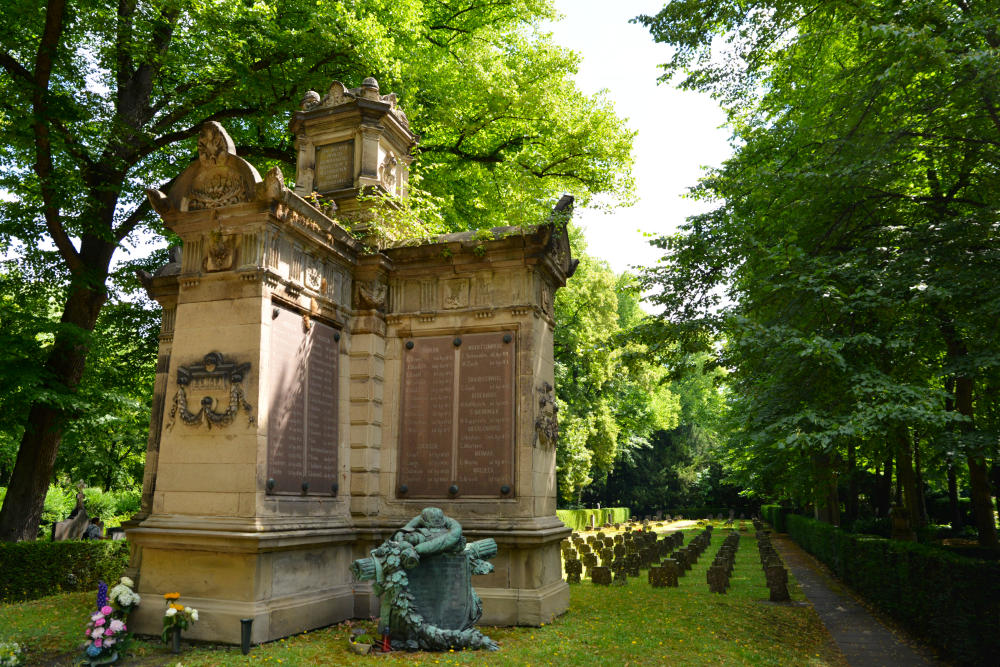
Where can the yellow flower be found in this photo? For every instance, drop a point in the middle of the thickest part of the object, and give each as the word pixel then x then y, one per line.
pixel 171 596
pixel 178 607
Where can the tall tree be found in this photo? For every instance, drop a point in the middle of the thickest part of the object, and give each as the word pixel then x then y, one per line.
pixel 856 221
pixel 99 100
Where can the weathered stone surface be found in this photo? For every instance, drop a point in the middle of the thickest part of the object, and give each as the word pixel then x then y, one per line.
pixel 601 575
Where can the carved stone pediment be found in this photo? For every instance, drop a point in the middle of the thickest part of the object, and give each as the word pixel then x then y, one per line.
pixel 217 178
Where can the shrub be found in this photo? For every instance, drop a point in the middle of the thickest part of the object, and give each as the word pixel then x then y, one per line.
pixel 35 569
pixel 776 516
pixel 580 519
pixel 952 601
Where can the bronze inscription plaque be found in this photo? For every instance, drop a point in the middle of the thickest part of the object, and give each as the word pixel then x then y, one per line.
pixel 322 353
pixel 485 414
pixel 334 166
pixel 285 424
pixel 464 437
pixel 302 433
pixel 426 432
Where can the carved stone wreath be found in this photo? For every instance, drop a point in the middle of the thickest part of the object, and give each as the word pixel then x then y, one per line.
pixel 213 369
pixel 547 422
pixel 399 617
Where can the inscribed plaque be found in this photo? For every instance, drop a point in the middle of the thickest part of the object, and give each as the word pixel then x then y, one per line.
pixel 426 418
pixel 302 423
pixel 322 353
pixel 286 426
pixel 334 166
pixel 485 414
pixel 463 437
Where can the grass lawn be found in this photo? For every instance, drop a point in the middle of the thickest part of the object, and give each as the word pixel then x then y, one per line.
pixel 617 625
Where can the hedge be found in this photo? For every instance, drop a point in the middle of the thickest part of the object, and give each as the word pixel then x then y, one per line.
pixel 776 515
pixel 580 519
pixel 951 601
pixel 36 569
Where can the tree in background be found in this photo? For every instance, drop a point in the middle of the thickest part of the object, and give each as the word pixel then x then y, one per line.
pixel 101 100
pixel 855 224
pixel 610 393
pixel 684 465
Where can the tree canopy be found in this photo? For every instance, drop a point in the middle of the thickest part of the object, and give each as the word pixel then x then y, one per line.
pixel 101 100
pixel 844 261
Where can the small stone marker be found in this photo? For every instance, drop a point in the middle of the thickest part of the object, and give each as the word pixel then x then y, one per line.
pixel 573 570
pixel 777 582
pixel 601 575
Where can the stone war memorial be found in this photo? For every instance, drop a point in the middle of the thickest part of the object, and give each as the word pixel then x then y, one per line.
pixel 313 395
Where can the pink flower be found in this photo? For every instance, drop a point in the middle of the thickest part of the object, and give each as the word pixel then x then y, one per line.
pixel 116 625
pixel 98 642
pixel 99 622
pixel 106 610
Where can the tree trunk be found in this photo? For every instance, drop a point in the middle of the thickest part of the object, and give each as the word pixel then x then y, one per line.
pixel 921 495
pixel 955 512
pixel 36 457
pixel 979 482
pixel 957 520
pixel 827 501
pixel 851 504
pixel 897 496
pixel 906 481
pixel 884 488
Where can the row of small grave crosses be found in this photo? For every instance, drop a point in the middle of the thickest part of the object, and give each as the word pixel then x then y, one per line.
pixel 774 569
pixel 625 554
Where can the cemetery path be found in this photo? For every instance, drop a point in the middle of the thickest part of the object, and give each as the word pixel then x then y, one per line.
pixel 863 638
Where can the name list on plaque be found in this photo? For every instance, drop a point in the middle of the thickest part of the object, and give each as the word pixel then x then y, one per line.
pixel 334 166
pixel 427 432
pixel 302 434
pixel 457 417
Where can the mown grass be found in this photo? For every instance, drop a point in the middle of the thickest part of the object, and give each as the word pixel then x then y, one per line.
pixel 618 625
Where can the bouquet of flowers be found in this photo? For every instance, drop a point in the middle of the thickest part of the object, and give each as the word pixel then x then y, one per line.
pixel 11 654
pixel 177 616
pixel 106 632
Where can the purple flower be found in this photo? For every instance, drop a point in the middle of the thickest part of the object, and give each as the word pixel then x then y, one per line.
pixel 102 594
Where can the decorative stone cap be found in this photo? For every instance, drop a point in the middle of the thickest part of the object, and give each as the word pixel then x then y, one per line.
pixel 339 95
pixel 350 142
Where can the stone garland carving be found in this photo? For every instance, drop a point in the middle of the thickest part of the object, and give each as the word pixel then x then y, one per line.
pixel 214 368
pixel 547 422
pixel 387 171
pixel 370 295
pixel 429 534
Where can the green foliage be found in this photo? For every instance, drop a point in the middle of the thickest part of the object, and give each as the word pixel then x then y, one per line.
pixel 580 519
pixel 843 263
pixel 951 601
pixel 36 569
pixel 683 466
pixel 776 515
pixel 610 394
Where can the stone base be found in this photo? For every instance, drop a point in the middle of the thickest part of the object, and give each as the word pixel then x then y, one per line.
pixel 219 620
pixel 513 606
pixel 287 581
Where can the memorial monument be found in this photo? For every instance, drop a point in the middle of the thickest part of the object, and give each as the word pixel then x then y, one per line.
pixel 314 393
pixel 423 577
